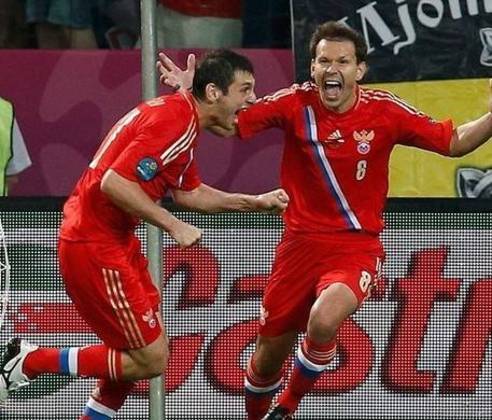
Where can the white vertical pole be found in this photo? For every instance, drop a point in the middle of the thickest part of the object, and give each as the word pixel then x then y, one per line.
pixel 154 236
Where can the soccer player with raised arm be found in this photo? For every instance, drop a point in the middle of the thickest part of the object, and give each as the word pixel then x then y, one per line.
pixel 149 151
pixel 338 141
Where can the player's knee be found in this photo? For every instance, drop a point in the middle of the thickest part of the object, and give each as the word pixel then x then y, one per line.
pixel 333 306
pixel 154 363
pixel 321 327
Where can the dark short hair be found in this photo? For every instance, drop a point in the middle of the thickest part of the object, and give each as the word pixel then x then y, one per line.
pixel 337 31
pixel 219 67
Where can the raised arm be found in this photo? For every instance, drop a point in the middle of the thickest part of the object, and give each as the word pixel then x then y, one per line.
pixel 128 196
pixel 173 76
pixel 210 200
pixel 467 137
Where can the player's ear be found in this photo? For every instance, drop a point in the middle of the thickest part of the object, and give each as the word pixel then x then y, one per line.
pixel 212 92
pixel 312 68
pixel 361 71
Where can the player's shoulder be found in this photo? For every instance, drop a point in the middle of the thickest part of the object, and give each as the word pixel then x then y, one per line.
pixel 176 110
pixel 166 104
pixel 384 99
pixel 293 93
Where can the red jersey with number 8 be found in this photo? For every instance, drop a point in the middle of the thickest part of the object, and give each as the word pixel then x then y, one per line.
pixel 335 165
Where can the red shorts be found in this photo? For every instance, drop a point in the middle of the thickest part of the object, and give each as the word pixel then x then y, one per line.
pixel 305 265
pixel 112 290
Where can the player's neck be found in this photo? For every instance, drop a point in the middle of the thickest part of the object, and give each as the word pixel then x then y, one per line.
pixel 206 114
pixel 200 112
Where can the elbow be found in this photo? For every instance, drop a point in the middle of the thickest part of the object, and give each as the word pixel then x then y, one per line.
pixel 178 201
pixel 456 153
pixel 181 199
pixel 194 200
pixel 456 148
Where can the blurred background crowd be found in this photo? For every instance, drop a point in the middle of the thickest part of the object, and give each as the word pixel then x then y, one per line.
pixel 115 24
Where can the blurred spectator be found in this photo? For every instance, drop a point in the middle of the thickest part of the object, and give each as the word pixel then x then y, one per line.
pixel 266 24
pixel 63 23
pixel 14 32
pixel 13 153
pixel 123 30
pixel 199 23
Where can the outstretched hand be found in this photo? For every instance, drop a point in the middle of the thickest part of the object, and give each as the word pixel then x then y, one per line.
pixel 172 75
pixel 275 201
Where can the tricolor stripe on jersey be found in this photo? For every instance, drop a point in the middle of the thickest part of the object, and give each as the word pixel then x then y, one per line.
pixel 328 174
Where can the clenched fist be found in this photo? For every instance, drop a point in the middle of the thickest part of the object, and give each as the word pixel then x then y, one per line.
pixel 184 234
pixel 275 201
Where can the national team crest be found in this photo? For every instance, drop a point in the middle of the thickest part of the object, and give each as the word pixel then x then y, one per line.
pixel 364 138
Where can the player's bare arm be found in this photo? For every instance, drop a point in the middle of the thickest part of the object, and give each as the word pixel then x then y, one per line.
pixel 131 198
pixel 275 201
pixel 210 200
pixel 469 136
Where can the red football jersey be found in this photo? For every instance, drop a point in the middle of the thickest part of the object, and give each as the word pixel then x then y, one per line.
pixel 152 145
pixel 335 165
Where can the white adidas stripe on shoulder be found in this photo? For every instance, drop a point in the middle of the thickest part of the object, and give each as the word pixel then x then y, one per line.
pixel 181 144
pixel 383 95
pixel 181 176
pixel 306 86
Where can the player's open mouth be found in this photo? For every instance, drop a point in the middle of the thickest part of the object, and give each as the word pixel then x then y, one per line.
pixel 332 88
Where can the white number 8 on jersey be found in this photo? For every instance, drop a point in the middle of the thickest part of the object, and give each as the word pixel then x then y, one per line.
pixel 365 281
pixel 361 170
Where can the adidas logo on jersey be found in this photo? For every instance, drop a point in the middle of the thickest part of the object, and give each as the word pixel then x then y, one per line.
pixel 334 140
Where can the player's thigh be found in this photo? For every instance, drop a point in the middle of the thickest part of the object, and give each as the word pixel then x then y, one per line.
pixel 116 298
pixel 359 272
pixel 290 291
pixel 333 306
